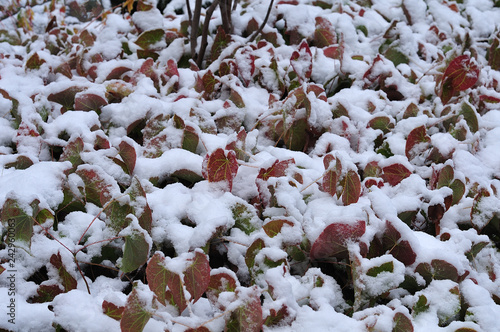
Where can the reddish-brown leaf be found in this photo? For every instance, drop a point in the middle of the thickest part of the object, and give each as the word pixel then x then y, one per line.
pixel 220 282
pixel 415 137
pixel 219 166
pixel 112 310
pixel 117 72
pixel 351 187
pixel 197 276
pixel 462 73
pixel 324 35
pixel 89 102
pixel 329 183
pixel 252 251
pixel 301 61
pixel 135 315
pixel 68 281
pixel 45 293
pixel 129 156
pixel 276 170
pixel 157 275
pixel 66 97
pixel 395 173
pixel 399 248
pixel 273 227
pixel 332 242
pixel 247 317
pixel 446 175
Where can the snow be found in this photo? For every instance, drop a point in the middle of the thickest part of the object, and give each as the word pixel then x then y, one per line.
pixel 190 214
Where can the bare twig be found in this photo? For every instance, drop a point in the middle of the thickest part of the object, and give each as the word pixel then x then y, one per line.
pixel 263 23
pixel 194 28
pixel 190 14
pixel 204 35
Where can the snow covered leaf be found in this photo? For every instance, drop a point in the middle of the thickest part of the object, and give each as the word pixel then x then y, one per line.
pixel 277 169
pixel 398 247
pixel 351 187
pixel 248 316
pixel 13 216
pixel 34 62
pixel 197 276
pixel 97 189
pixel 411 111
pixel 149 38
pixel 301 61
pixel 333 241
pixel 89 102
pixel 372 170
pixel 278 318
pixel 66 97
pixel 382 122
pixel 273 227
pixel 117 73
pixel 462 72
pixel 395 173
pixel 221 41
pixel 135 316
pixel 296 137
pixel 135 253
pixel 401 323
pixel 494 53
pixel 138 197
pixel 71 152
pixel 470 116
pixel 417 142
pixel 252 251
pixel 220 282
pixel 46 293
pixel 68 281
pixel 238 145
pixel 438 269
pixel 219 166
pixel 129 156
pixel 175 294
pixel 112 310
pixel 157 276
pixel 324 35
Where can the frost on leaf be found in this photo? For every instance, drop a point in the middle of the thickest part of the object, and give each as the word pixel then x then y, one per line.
pixel 401 323
pixel 98 190
pixel 89 102
pixel 333 241
pixel 417 142
pixel 220 166
pixel 135 316
pixel 220 282
pixel 277 169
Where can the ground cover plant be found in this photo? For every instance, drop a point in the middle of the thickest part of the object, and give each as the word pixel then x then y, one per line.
pixel 250 165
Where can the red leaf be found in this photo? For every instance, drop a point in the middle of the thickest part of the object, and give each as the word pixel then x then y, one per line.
pixel 129 156
pixel 273 227
pixel 351 188
pixel 97 189
pixel 301 61
pixel 197 276
pixel 395 173
pixel 401 323
pixel 66 97
pixel 157 275
pixel 324 35
pixel 46 293
pixel 219 167
pixel 329 184
pixel 332 242
pixel 89 102
pixel 171 68
pixel 400 249
pixel 252 251
pixel 462 72
pixel 68 281
pixel 220 282
pixel 416 137
pixel 176 290
pixel 112 310
pixel 135 315
pixel 276 170
pixel 247 317
pixel 117 73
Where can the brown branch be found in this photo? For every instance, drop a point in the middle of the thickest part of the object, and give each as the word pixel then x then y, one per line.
pixel 263 23
pixel 204 35
pixel 194 28
pixel 190 14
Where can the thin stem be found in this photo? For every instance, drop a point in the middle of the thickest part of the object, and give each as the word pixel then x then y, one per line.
pixel 194 28
pixel 310 184
pixel 263 23
pixel 105 240
pixel 190 14
pixel 81 273
pixel 204 35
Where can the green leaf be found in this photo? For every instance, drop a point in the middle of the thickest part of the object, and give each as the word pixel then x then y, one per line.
pixel 66 97
pixel 385 267
pixel 135 253
pixel 446 175
pixel 221 41
pixel 383 123
pixel 421 305
pixel 247 317
pixel 396 56
pixel 18 222
pixel 458 188
pixel 470 116
pixel 135 316
pixel 34 62
pixel 243 216
pixel 296 137
pixel 273 227
pixel 149 38
pixel 252 251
